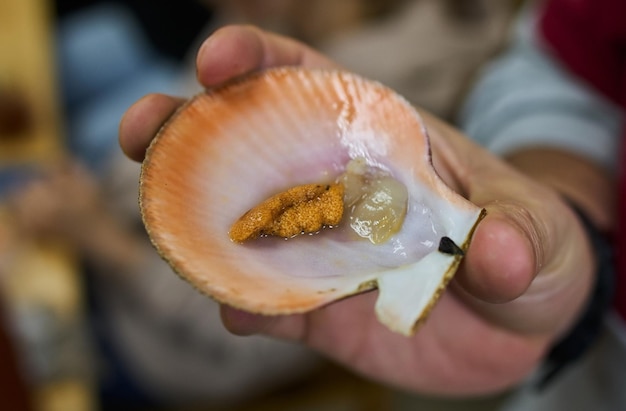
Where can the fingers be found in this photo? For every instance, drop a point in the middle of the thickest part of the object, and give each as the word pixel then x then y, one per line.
pixel 242 322
pixel 236 50
pixel 142 121
pixel 323 329
pixel 289 327
pixel 230 52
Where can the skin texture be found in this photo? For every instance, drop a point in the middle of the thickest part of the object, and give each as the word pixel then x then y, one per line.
pixel 522 284
pixel 61 203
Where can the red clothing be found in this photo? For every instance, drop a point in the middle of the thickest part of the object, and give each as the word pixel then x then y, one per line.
pixel 589 38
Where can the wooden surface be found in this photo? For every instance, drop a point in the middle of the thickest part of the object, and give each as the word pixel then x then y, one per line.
pixel 36 276
pixel 27 69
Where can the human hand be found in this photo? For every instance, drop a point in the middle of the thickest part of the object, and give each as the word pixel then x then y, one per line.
pixel 61 203
pixel 523 281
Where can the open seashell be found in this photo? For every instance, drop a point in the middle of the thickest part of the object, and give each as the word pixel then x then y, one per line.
pixel 229 149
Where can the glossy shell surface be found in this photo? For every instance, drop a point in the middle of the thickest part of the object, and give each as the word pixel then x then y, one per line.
pixel 228 149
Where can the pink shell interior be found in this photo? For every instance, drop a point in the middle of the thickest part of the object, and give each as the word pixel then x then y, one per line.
pixel 231 148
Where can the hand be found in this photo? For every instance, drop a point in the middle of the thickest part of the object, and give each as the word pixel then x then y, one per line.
pixel 522 283
pixel 59 204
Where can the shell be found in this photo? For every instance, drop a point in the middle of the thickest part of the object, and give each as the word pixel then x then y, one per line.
pixel 230 148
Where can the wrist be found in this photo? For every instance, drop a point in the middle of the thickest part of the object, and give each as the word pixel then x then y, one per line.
pixel 581 336
pixel 587 186
pixel 589 191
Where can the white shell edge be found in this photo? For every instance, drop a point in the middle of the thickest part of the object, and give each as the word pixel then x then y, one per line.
pixel 408 293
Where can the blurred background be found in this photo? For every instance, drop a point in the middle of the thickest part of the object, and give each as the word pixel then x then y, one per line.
pixel 90 317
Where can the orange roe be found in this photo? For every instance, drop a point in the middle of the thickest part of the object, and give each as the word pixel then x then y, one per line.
pixel 299 210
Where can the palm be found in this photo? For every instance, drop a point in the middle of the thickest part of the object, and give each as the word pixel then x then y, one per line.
pixel 456 351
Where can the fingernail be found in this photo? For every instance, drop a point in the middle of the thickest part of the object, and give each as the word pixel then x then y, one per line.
pixel 242 322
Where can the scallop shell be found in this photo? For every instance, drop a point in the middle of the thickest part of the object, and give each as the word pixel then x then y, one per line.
pixel 228 149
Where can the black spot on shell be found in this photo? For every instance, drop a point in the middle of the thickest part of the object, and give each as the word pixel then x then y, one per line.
pixel 447 246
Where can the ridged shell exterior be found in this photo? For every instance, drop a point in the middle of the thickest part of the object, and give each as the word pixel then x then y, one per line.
pixel 228 149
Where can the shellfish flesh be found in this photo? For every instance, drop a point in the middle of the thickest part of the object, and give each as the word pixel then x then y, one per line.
pixel 230 149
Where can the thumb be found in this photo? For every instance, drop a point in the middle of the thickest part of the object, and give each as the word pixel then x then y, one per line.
pixel 529 251
pixel 505 251
pixel 516 239
pixel 502 260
